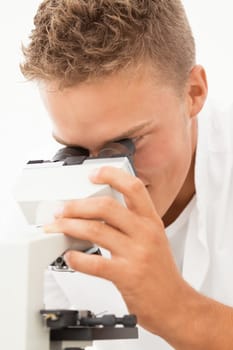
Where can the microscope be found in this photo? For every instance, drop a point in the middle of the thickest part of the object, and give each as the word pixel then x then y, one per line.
pixel 40 190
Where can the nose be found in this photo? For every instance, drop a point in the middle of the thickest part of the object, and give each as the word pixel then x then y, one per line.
pixel 93 154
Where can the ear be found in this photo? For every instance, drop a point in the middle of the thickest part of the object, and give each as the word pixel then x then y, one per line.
pixel 197 90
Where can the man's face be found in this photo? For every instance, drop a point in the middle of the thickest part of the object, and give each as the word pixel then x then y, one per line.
pixel 155 117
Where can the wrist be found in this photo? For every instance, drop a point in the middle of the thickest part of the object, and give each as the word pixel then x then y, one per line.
pixel 187 325
pixel 199 323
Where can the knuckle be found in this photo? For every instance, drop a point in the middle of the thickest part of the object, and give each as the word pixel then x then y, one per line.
pixel 104 172
pixel 60 224
pixel 96 268
pixel 135 185
pixel 93 227
pixel 106 203
pixel 153 233
pixel 70 206
pixel 144 258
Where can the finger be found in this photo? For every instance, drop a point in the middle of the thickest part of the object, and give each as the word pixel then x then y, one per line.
pixel 94 231
pixel 94 265
pixel 133 189
pixel 103 208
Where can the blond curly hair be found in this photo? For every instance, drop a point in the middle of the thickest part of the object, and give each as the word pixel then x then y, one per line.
pixel 75 41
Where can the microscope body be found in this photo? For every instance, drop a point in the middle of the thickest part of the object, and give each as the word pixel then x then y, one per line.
pixel 41 189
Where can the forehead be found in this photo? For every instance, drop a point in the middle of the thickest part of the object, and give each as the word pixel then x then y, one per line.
pixel 89 114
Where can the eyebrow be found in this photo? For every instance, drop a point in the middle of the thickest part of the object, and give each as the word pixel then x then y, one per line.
pixel 122 136
pixel 130 132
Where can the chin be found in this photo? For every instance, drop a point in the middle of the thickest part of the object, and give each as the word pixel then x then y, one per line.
pixel 161 208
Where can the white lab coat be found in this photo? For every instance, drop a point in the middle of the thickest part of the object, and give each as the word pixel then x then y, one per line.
pixel 208 249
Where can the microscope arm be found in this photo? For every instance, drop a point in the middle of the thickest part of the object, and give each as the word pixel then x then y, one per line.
pixel 23 260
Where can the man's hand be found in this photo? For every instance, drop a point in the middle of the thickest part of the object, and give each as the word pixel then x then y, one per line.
pixel 141 264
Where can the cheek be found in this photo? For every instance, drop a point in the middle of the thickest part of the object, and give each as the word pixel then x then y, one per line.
pixel 149 159
pixel 163 156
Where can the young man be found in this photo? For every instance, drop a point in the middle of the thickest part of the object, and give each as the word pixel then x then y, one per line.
pixel 110 70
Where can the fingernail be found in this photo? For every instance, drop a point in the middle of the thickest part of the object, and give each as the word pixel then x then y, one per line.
pixel 94 173
pixel 49 228
pixel 66 257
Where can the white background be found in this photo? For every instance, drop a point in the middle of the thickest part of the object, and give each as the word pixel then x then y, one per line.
pixel 24 124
